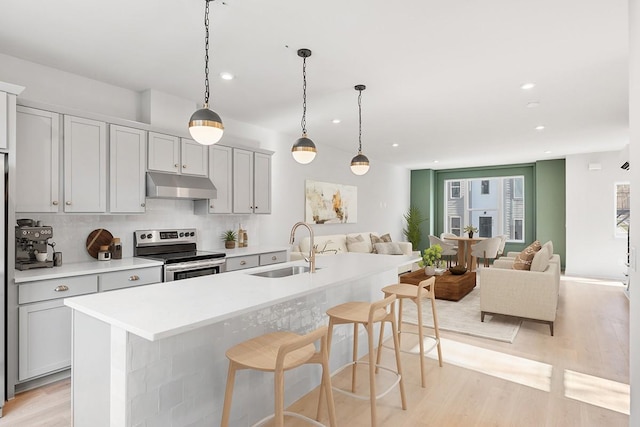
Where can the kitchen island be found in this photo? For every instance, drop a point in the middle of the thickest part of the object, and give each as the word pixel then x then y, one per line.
pixel 156 354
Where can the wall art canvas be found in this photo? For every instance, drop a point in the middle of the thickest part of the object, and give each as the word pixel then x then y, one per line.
pixel 328 203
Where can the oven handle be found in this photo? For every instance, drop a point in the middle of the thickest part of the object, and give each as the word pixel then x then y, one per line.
pixel 192 265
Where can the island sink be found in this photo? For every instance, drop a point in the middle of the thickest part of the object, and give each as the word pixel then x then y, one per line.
pixel 283 272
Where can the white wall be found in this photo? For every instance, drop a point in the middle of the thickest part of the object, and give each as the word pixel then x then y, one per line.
pixel 383 194
pixel 592 248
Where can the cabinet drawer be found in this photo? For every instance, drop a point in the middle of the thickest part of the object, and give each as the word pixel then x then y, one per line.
pixel 57 288
pixel 240 262
pixel 129 278
pixel 273 258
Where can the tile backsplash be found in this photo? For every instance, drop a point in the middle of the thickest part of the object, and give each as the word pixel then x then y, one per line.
pixel 70 231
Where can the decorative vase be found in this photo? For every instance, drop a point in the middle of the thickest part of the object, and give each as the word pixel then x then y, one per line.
pixel 430 270
pixel 230 244
pixel 471 234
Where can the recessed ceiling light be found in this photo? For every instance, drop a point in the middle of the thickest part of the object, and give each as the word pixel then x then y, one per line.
pixel 527 86
pixel 533 104
pixel 539 127
pixel 395 144
pixel 226 76
pixel 436 161
pixel 548 152
pixel 336 121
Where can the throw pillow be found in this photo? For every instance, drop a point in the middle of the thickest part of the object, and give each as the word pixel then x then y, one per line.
pixel 388 248
pixel 549 246
pixel 357 244
pixel 540 261
pixel 385 238
pixel 524 258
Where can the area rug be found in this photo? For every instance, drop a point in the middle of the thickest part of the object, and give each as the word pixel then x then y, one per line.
pixel 463 317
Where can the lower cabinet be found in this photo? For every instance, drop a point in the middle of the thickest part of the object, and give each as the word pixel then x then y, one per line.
pixel 44 322
pixel 249 261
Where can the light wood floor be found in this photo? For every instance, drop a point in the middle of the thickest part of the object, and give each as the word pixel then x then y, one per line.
pixel 588 358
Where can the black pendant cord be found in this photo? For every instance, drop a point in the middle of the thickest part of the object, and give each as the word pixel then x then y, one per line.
pixel 360 121
pixel 206 54
pixel 303 122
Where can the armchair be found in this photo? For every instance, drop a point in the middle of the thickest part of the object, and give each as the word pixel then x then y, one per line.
pixel 531 295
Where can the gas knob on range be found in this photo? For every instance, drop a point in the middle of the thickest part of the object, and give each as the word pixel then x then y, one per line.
pixel 149 236
pixel 181 234
pixel 143 236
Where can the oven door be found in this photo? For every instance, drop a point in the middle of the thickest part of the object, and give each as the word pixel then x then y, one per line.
pixel 189 269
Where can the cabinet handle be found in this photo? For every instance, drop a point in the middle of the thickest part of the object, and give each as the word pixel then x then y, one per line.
pixel 54 203
pixel 61 288
pixel 134 278
pixel 175 165
pixel 68 203
pixel 142 204
pixel 273 258
pixel 211 206
pixel 184 166
pixel 243 262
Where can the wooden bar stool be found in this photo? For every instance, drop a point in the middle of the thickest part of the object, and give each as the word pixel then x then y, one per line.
pixel 367 314
pixel 416 294
pixel 279 352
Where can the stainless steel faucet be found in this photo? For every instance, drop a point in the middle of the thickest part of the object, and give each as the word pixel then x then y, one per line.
pixel 312 254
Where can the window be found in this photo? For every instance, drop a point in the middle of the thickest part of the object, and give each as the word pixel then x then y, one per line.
pixel 622 209
pixel 495 205
pixel 484 186
pixel 454 190
pixel 455 225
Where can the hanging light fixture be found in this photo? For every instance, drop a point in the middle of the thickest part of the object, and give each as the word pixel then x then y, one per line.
pixel 304 150
pixel 205 125
pixel 360 163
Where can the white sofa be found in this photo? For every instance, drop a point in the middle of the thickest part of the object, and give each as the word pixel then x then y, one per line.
pixel 527 294
pixel 333 244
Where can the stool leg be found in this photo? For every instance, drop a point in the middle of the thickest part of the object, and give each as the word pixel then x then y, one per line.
pixel 436 329
pixel 322 383
pixel 228 394
pixel 355 357
pixel 421 337
pixel 400 320
pixel 326 384
pixel 372 374
pixel 379 352
pixel 278 401
pixel 396 344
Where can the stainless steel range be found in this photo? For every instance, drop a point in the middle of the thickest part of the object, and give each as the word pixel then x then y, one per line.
pixel 177 249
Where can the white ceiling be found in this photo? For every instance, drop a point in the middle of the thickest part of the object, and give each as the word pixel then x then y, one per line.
pixel 443 77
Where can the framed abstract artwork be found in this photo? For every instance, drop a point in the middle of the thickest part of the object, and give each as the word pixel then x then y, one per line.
pixel 327 203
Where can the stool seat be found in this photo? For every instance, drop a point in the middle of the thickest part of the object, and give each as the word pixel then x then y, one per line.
pixel 261 353
pixel 402 290
pixel 355 312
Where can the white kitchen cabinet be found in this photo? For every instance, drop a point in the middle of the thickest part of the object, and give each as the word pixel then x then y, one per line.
pixel 127 151
pixel 85 165
pixel 37 160
pixel 4 120
pixel 220 168
pixel 251 182
pixel 255 260
pixel 171 154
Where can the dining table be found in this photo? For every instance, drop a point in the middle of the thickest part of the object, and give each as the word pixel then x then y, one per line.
pixel 464 250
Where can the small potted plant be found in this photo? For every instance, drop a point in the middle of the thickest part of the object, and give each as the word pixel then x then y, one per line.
pixel 470 229
pixel 229 238
pixel 430 259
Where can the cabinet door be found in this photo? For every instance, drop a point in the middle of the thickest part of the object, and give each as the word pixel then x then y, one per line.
pixel 4 120
pixel 127 148
pixel 242 181
pixel 85 165
pixel 220 167
pixel 44 338
pixel 164 153
pixel 37 160
pixel 262 183
pixel 195 158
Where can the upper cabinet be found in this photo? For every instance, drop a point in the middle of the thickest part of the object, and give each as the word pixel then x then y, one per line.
pixel 38 160
pixel 171 154
pixel 85 165
pixel 220 168
pixel 251 182
pixel 127 154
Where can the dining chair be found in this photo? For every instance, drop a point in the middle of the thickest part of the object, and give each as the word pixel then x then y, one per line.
pixel 449 250
pixel 486 249
pixel 503 241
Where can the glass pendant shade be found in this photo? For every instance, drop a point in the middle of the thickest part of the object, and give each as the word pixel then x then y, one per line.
pixel 360 164
pixel 304 150
pixel 205 126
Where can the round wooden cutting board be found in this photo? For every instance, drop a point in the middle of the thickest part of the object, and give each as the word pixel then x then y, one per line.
pixel 98 237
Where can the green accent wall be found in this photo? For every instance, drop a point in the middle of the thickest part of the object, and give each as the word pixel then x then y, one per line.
pixel 544 194
pixel 551 209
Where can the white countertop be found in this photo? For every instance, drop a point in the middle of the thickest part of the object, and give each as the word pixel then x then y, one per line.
pixel 166 309
pixel 82 268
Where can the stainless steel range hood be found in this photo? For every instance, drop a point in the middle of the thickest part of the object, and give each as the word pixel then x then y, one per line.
pixel 169 186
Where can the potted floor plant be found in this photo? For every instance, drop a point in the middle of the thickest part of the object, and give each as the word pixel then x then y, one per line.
pixel 430 259
pixel 414 218
pixel 229 238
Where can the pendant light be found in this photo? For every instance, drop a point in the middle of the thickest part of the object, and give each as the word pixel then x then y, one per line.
pixel 304 150
pixel 205 125
pixel 360 163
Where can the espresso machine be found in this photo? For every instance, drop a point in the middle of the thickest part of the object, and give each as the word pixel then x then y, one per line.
pixel 32 242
